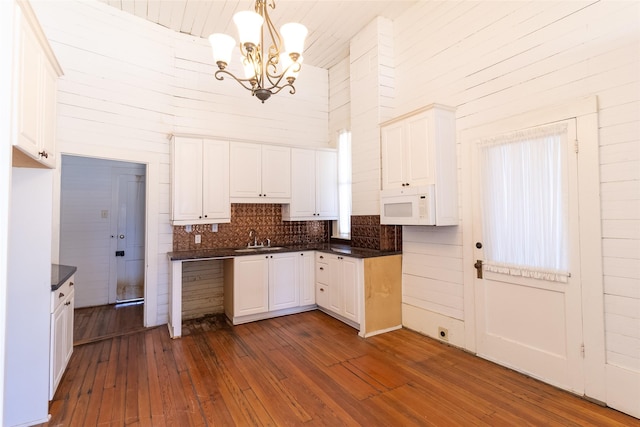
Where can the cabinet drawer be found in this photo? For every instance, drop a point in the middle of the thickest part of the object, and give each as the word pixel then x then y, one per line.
pixel 60 295
pixel 322 273
pixel 322 295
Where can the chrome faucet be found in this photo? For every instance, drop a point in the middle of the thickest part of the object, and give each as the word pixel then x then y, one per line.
pixel 254 235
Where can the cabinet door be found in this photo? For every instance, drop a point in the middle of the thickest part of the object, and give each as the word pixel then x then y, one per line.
pixel 326 184
pixel 57 362
pixel 418 170
pixel 251 285
pixel 303 184
pixel 47 143
pixel 350 285
pixel 246 170
pixel 305 274
pixel 215 179
pixel 276 172
pixel 28 82
pixel 283 285
pixel 68 327
pixel 336 299
pixel 186 175
pixel 392 152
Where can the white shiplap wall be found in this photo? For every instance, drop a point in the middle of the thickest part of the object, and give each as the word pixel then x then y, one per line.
pixel 493 60
pixel 371 87
pixel 129 83
pixel 339 100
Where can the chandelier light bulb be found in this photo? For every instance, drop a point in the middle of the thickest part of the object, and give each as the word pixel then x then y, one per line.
pixel 249 27
pixel 293 36
pixel 222 46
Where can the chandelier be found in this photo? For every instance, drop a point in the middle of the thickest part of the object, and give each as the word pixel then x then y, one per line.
pixel 266 72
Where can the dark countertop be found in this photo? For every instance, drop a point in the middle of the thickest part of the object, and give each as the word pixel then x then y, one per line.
pixel 60 274
pixel 337 249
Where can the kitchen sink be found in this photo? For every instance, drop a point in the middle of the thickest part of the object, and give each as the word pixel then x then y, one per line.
pixel 260 249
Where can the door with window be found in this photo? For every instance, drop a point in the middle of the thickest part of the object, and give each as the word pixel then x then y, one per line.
pixel 527 286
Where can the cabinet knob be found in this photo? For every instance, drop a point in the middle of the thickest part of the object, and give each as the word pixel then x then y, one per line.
pixel 61 295
pixel 200 217
pixel 321 289
pixel 205 216
pixel 43 154
pixel 70 283
pixel 321 268
pixel 321 257
pixel 67 303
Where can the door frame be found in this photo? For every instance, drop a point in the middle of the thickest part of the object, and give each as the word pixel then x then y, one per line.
pixel 585 111
pixel 116 174
pixel 152 161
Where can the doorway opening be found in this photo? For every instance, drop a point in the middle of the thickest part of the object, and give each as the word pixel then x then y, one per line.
pixel 102 232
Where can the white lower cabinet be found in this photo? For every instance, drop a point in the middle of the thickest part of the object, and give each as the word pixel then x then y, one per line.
pixel 305 275
pixel 338 283
pixel 268 285
pixel 62 304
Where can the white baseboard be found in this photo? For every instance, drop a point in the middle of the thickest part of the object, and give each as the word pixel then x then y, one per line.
pixel 623 390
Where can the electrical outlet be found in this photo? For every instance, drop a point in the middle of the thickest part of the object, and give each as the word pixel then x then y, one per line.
pixel 214 228
pixel 443 333
pixel 198 239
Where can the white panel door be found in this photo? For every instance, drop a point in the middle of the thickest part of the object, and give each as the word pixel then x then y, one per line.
pixel 532 325
pixel 187 179
pixel 336 298
pixel 326 184
pixel 276 172
pixel 305 275
pixel 392 147
pixel 283 285
pixel 251 285
pixel 29 82
pixel 245 170
pixel 418 158
pixel 215 179
pixel 303 183
pixel 350 285
pixel 130 239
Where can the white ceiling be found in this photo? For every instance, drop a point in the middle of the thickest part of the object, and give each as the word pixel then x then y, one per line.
pixel 331 23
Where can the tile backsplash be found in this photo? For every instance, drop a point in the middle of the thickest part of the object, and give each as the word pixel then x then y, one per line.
pixel 367 232
pixel 265 219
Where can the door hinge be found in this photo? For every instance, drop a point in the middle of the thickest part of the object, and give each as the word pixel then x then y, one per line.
pixel 582 350
pixel 575 146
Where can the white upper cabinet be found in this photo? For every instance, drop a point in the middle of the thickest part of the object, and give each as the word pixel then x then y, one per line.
pixel 35 83
pixel 199 181
pixel 417 147
pixel 419 150
pixel 314 185
pixel 260 173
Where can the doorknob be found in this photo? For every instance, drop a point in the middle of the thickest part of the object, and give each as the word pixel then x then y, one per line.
pixel 478 267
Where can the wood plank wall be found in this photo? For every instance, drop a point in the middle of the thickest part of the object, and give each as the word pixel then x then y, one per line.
pixel 129 83
pixel 202 288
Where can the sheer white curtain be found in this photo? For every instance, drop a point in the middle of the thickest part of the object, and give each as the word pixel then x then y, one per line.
pixel 525 204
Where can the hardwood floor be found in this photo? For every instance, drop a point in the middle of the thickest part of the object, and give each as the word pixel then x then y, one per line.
pixel 93 324
pixel 304 369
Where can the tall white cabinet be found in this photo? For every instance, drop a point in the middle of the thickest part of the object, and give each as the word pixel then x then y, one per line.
pixel 199 181
pixel 419 150
pixel 314 185
pixel 35 82
pixel 28 295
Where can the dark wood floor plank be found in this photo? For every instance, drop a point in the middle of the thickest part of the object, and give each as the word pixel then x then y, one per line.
pixel 306 369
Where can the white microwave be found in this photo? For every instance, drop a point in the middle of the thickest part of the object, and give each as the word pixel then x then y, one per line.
pixel 408 206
